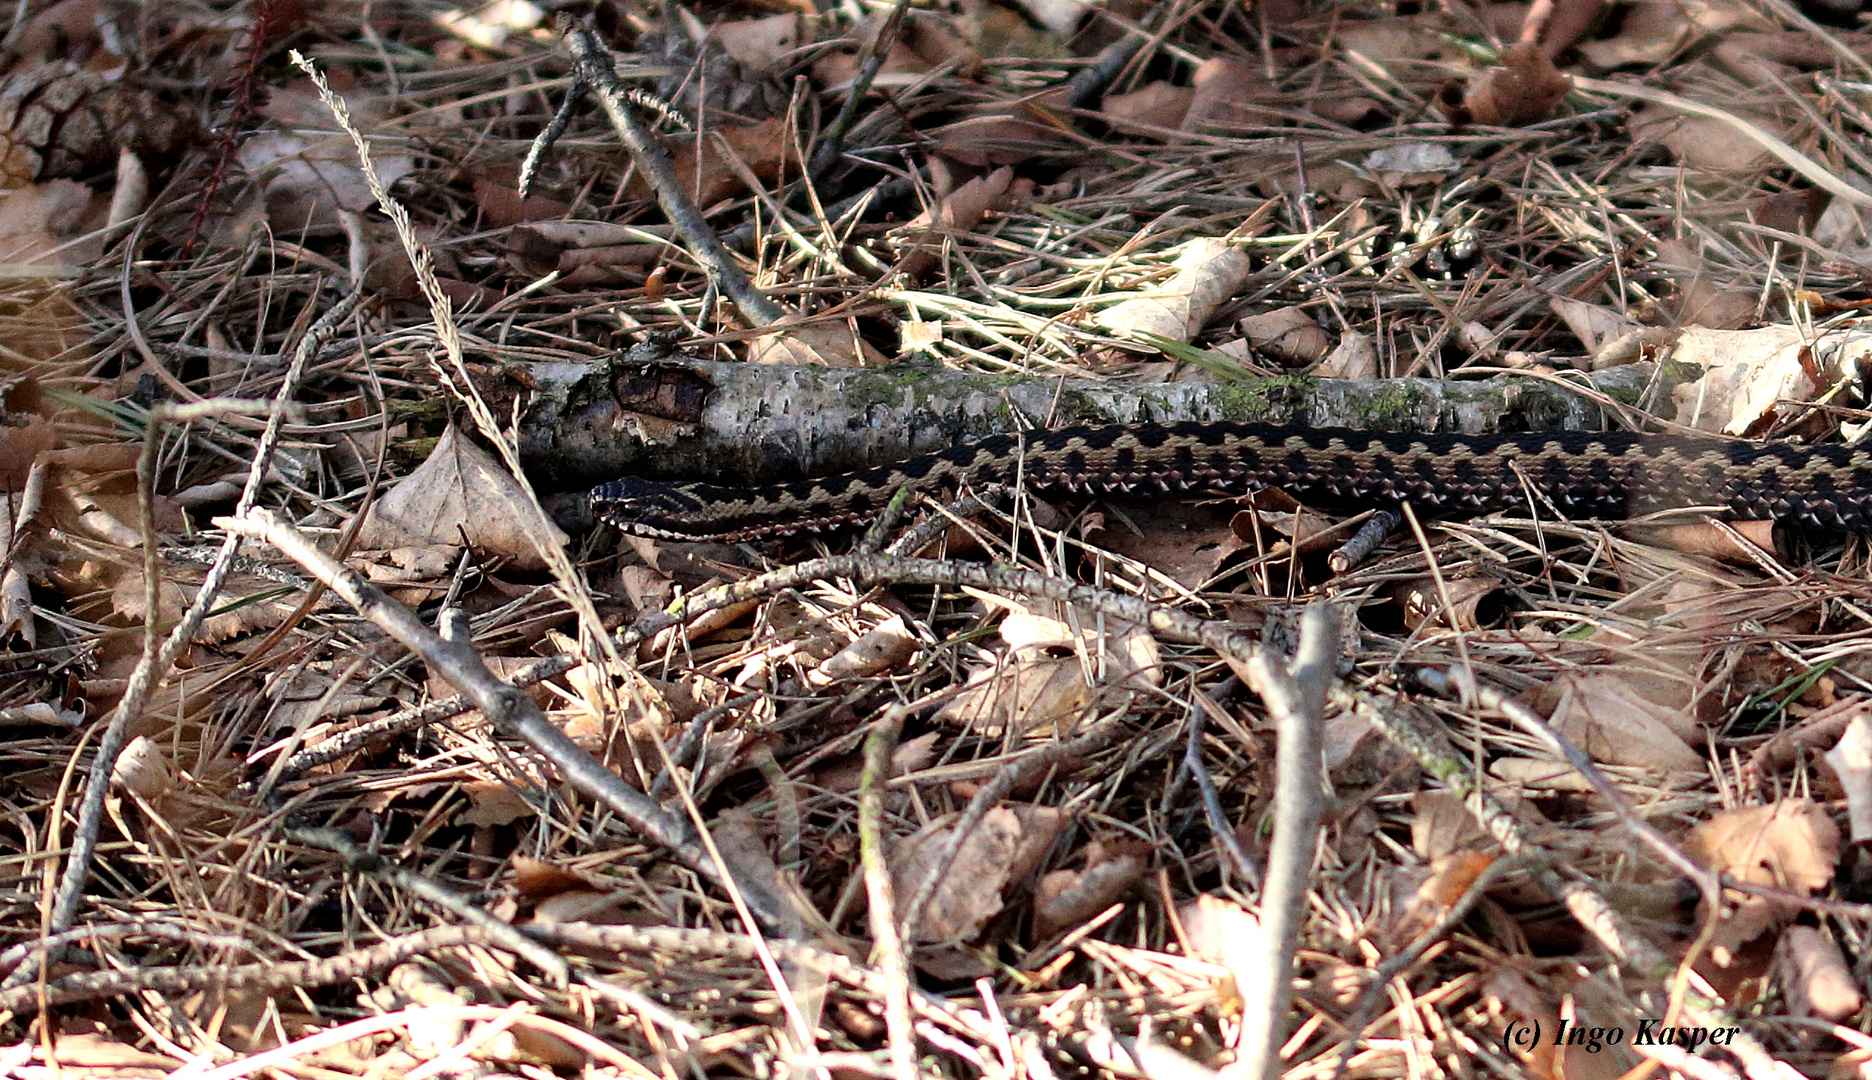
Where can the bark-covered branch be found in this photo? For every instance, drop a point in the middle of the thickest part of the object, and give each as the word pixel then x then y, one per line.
pixel 744 423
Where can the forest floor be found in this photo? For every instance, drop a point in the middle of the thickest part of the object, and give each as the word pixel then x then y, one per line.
pixel 1036 792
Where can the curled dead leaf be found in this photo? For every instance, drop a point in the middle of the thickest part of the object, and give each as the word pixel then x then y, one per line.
pixel 1465 603
pixel 1155 105
pixel 884 647
pixel 921 240
pixel 1791 844
pixel 1287 334
pixel 970 893
pixel 1523 90
pixel 815 343
pixel 1066 898
pixel 1208 272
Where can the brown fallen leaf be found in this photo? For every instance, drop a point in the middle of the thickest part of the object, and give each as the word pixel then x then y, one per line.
pixel 1184 542
pixel 1746 372
pixel 1738 542
pixel 1156 105
pixel 921 241
pixel 1286 334
pixel 1464 603
pixel 1790 844
pixel 1703 143
pixel 759 44
pixel 460 491
pixel 503 206
pixel 237 610
pixel 816 342
pixel 1003 138
pixel 729 155
pixel 1450 877
pixel 1605 714
pixel 1067 898
pixel 1221 89
pixel 1221 931
pixel 990 857
pixel 1523 89
pixel 1355 357
pixel 1851 761
pixel 882 648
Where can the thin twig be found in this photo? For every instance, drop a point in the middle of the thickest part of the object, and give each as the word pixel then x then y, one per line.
pixel 155 663
pixel 595 70
pixel 832 143
pixel 889 948
pixel 506 707
pixel 1296 698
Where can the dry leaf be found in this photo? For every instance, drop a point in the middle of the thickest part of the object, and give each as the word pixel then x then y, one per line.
pixel 759 44
pixel 1208 272
pixel 1702 143
pixel 1464 603
pixel 1822 729
pixel 1060 17
pixel 1001 138
pixel 1450 877
pixel 1593 324
pixel 460 491
pixel 1355 357
pixel 1155 105
pixel 493 803
pixel 1067 898
pixel 488 26
pixel 1606 715
pixel 970 893
pixel 309 175
pixel 1221 89
pixel 884 647
pixel 1186 543
pixel 1523 90
pixel 1035 687
pixel 1745 373
pixel 729 155
pixel 921 241
pixel 1028 695
pixel 502 206
pixel 998 32
pixel 234 617
pixel 37 221
pixel 1739 542
pixel 1791 844
pixel 1442 824
pixel 815 343
pixel 1287 334
pixel 143 770
pixel 1222 932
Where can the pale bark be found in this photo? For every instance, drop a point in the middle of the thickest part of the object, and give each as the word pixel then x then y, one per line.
pixel 745 423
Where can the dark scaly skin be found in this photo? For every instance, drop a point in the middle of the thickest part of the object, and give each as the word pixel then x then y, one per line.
pixel 1587 475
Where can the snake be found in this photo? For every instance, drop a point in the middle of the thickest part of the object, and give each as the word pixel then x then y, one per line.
pixel 1819 486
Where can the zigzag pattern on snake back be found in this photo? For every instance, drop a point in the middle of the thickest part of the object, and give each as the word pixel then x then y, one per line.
pixel 1603 475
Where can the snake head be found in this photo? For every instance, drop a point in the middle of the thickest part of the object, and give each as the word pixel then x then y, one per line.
pixel 648 508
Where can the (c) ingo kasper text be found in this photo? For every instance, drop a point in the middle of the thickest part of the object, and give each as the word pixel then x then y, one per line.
pixel 1526 1036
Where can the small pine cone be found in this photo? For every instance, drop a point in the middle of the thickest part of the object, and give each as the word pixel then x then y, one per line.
pixel 57 119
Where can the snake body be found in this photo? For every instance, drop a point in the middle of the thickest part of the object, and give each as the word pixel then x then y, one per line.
pixel 1602 475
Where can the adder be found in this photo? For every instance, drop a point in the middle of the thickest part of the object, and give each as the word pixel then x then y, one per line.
pixel 1602 475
